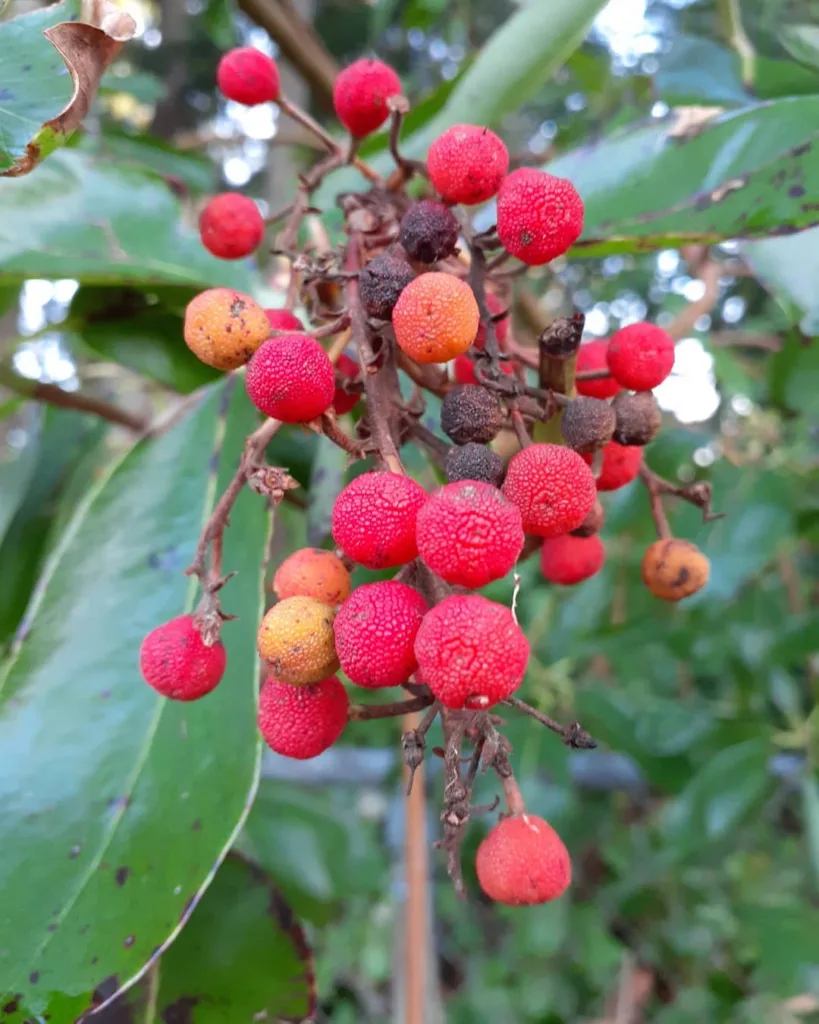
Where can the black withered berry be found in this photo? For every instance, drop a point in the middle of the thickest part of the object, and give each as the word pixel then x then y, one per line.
pixel 587 424
pixel 473 461
pixel 638 418
pixel 429 231
pixel 593 523
pixel 381 282
pixel 470 413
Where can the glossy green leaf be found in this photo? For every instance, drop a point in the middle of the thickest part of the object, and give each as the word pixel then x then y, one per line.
pixel 17 462
pixel 787 267
pixel 99 222
pixel 802 43
pixel 326 482
pixel 117 803
pixel 750 174
pixel 242 957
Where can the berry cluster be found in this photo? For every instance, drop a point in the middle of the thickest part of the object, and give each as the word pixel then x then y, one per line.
pixel 417 291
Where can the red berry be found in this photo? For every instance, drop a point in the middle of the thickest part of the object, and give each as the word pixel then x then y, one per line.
pixel 302 721
pixel 501 326
pixel 569 559
pixel 592 355
pixel 360 95
pixel 553 488
pixel 231 226
pixel 374 519
pixel 463 370
pixel 523 861
pixel 284 320
pixel 375 633
pixel 343 401
pixel 621 464
pixel 467 164
pixel 471 652
pixel 291 378
pixel 641 356
pixel 469 534
pixel 175 661
pixel 539 216
pixel 248 76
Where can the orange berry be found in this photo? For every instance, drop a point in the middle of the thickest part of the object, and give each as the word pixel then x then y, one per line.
pixel 224 328
pixel 436 318
pixel 673 569
pixel 313 572
pixel 296 641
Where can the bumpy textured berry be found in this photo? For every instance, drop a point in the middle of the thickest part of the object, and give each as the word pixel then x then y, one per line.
pixel 593 523
pixel 471 653
pixel 539 216
pixel 291 379
pixel 346 369
pixel 471 413
pixel 381 282
pixel 375 633
pixel 474 462
pixel 621 464
pixel 175 661
pixel 587 424
pixel 313 572
pixel 523 861
pixel 569 559
pixel 463 370
pixel 436 318
pixel 374 518
pixel 296 640
pixel 302 721
pixel 360 95
pixel 429 231
pixel 496 307
pixel 231 226
pixel 224 328
pixel 553 488
pixel 641 356
pixel 248 76
pixel 638 418
pixel 592 355
pixel 284 320
pixel 467 164
pixel 469 534
pixel 674 569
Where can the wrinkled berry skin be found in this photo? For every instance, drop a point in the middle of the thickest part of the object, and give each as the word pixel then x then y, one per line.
pixel 436 318
pixel 380 284
pixel 523 861
pixel 296 639
pixel 375 633
pixel 471 653
pixel 174 660
pixel 231 226
pixel 621 464
pixel 474 462
pixel 360 95
pixel 567 560
pixel 587 424
pixel 429 232
pixel 469 534
pixel 248 76
pixel 224 328
pixel 313 572
pixel 641 356
pixel 539 216
pixel 302 721
pixel 471 413
pixel 467 164
pixel 638 418
pixel 593 355
pixel 373 519
pixel 553 488
pixel 291 378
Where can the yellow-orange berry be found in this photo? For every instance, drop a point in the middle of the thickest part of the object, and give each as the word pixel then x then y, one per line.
pixel 224 328
pixel 673 569
pixel 436 318
pixel 313 572
pixel 296 641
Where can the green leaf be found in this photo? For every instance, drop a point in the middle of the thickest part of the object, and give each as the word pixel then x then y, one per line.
pixel 99 222
pixel 326 482
pixel 787 268
pixel 118 804
pixel 17 464
pixel 194 170
pixel 242 957
pixel 810 811
pixel 802 43
pixel 749 174
pixel 142 85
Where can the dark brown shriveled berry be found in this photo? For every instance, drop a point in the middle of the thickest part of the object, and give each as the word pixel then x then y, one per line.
pixel 471 413
pixel 638 418
pixel 473 461
pixel 429 231
pixel 380 284
pixel 587 424
pixel 593 523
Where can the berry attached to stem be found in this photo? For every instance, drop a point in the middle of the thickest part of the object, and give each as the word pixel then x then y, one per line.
pixel 248 76
pixel 224 328
pixel 436 318
pixel 467 164
pixel 177 663
pixel 553 488
pixel 296 641
pixel 569 559
pixel 523 861
pixel 539 216
pixel 673 569
pixel 302 721
pixel 373 519
pixel 291 379
pixel 231 226
pixel 313 572
pixel 360 95
pixel 471 413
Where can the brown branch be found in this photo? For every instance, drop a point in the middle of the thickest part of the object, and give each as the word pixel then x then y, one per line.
pixel 656 502
pixel 50 394
pixel 572 735
pixel 699 494
pixel 366 712
pixel 438 448
pixel 405 168
pixel 345 156
pixel 328 426
pixel 592 375
pixel 430 378
pixel 709 272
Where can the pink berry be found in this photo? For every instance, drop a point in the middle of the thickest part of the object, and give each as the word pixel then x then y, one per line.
pixel 523 861
pixel 374 517
pixel 621 464
pixel 231 226
pixel 290 378
pixel 467 164
pixel 641 356
pixel 248 76
pixel 177 663
pixel 553 488
pixel 360 95
pixel 284 320
pixel 568 559
pixel 302 721
pixel 539 216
